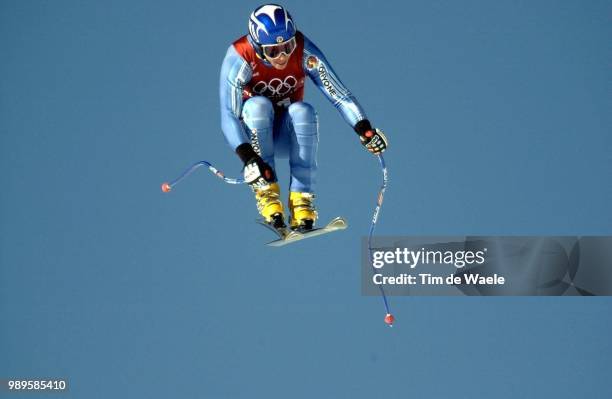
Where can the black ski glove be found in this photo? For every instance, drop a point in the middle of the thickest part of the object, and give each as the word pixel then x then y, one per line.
pixel 257 173
pixel 373 140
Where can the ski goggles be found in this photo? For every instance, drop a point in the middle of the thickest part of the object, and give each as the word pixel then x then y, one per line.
pixel 275 50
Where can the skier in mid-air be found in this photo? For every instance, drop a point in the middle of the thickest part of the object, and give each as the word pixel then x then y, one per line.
pixel 263 115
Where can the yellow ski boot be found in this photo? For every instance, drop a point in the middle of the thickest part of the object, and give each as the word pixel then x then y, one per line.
pixel 303 212
pixel 269 205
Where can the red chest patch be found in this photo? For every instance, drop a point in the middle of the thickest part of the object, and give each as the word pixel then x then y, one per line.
pixel 282 87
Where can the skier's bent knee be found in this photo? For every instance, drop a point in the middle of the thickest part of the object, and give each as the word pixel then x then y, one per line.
pixel 258 107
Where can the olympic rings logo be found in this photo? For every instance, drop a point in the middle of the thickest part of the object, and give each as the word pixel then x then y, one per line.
pixel 276 87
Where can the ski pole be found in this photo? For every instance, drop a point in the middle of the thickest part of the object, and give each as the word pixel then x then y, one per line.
pixel 389 318
pixel 167 187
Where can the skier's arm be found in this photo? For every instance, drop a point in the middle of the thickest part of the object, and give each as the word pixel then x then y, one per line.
pixel 327 81
pixel 324 77
pixel 235 73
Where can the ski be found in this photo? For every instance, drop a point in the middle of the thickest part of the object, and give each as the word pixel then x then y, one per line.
pixel 288 236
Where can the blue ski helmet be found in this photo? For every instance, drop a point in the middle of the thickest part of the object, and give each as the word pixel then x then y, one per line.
pixel 271 24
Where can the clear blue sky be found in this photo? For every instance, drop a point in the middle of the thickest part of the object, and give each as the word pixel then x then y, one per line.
pixel 498 115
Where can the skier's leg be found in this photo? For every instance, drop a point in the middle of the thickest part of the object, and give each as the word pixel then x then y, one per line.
pixel 304 139
pixel 282 132
pixel 258 117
